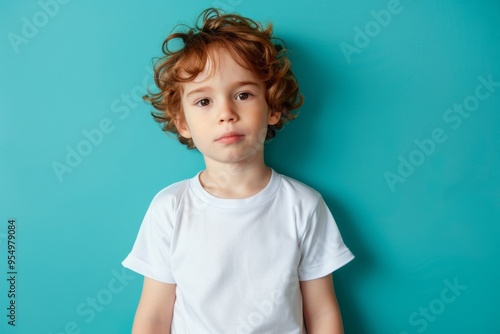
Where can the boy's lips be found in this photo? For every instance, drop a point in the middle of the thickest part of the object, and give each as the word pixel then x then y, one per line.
pixel 229 137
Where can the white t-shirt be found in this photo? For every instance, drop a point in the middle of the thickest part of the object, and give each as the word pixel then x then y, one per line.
pixel 237 263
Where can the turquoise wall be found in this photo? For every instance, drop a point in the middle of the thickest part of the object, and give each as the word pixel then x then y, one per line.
pixel 400 132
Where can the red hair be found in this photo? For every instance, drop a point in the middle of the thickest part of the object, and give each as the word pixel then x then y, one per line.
pixel 252 47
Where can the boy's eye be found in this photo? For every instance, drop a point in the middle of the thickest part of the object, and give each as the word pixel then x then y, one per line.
pixel 243 96
pixel 203 102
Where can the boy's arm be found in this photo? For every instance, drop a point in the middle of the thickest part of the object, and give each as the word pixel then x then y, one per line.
pixel 155 310
pixel 321 310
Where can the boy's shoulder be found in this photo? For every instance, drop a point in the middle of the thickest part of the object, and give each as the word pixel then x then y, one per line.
pixel 299 190
pixel 171 194
pixel 290 190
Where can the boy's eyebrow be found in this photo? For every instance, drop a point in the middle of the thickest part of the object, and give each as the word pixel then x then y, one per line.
pixel 246 83
pixel 198 90
pixel 236 84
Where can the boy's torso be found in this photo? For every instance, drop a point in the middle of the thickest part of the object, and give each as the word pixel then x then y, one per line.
pixel 240 255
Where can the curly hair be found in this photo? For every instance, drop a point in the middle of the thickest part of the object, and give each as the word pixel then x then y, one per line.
pixel 250 44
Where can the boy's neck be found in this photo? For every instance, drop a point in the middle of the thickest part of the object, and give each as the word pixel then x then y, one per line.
pixel 235 180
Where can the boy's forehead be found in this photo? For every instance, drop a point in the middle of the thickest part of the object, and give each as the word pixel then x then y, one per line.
pixel 221 65
pixel 209 70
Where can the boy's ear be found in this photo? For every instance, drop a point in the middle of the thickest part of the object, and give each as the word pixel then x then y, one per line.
pixel 182 127
pixel 274 117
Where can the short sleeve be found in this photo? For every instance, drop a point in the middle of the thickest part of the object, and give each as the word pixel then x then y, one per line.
pixel 322 249
pixel 150 255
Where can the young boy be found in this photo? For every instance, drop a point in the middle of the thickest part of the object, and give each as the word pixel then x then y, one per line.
pixel 238 248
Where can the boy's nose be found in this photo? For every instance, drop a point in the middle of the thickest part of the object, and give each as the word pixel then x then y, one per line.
pixel 227 112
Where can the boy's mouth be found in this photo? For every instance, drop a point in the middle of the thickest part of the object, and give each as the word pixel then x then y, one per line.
pixel 229 137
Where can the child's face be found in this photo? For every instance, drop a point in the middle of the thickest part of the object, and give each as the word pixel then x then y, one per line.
pixel 226 113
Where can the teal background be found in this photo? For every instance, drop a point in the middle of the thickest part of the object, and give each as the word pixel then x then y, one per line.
pixel 440 226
